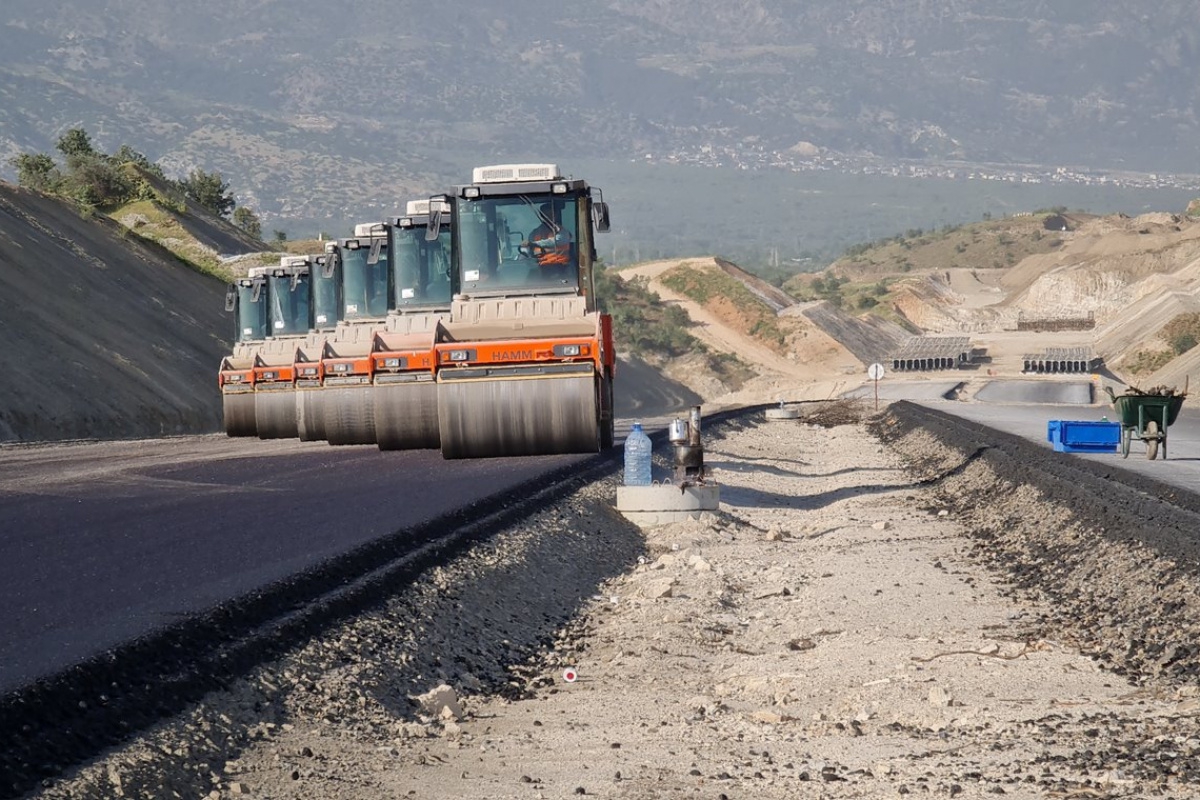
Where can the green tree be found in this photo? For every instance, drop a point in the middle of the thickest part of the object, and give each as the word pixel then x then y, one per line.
pixel 209 190
pixel 127 155
pixel 248 221
pixel 95 181
pixel 75 143
pixel 35 171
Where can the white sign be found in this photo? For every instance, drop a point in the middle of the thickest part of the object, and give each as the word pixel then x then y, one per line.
pixel 875 371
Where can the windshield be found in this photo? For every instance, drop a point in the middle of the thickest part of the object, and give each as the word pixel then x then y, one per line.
pixel 325 302
pixel 524 244
pixel 422 268
pixel 289 300
pixel 251 310
pixel 365 285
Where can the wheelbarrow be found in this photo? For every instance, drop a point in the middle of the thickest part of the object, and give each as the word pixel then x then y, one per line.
pixel 1146 417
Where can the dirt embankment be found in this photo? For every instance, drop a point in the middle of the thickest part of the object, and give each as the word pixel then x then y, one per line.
pixel 102 336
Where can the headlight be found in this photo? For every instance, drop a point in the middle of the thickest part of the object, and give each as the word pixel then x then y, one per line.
pixel 460 355
pixel 308 371
pixel 568 350
pixel 270 376
pixel 343 367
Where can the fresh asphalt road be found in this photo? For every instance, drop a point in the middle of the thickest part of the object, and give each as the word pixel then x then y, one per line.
pixel 103 542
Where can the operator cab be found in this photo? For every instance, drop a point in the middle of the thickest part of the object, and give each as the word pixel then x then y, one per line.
pixel 421 266
pixel 289 296
pixel 247 299
pixel 326 277
pixel 523 230
pixel 366 279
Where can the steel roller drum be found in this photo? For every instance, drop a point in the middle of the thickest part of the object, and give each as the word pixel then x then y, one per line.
pixel 239 414
pixel 276 414
pixel 350 415
pixel 310 414
pixel 518 416
pixel 406 416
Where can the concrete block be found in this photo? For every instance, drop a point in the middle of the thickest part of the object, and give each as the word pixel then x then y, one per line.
pixel 663 503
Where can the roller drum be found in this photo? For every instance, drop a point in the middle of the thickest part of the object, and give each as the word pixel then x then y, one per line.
pixel 406 416
pixel 239 414
pixel 310 414
pixel 276 414
pixel 518 416
pixel 350 415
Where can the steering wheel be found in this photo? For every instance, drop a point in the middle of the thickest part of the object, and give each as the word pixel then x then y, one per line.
pixel 532 250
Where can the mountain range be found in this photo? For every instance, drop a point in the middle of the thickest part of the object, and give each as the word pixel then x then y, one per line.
pixel 332 109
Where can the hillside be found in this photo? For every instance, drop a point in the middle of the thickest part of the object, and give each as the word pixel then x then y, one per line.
pixel 103 335
pixel 1136 279
pixel 187 229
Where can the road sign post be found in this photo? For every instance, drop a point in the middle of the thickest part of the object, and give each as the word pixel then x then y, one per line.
pixel 875 373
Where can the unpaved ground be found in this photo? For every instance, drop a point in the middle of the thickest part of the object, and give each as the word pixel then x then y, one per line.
pixel 832 632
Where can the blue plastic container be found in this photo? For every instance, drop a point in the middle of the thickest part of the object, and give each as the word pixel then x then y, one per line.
pixel 637 457
pixel 1082 436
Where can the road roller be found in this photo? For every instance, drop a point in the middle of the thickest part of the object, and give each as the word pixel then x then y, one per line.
pixel 347 386
pixel 525 362
pixel 289 319
pixel 403 362
pixel 326 282
pixel 247 299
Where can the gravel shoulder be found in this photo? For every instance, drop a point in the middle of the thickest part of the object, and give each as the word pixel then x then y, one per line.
pixel 834 631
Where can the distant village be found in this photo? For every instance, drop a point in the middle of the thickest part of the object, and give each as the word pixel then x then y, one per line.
pixel 754 158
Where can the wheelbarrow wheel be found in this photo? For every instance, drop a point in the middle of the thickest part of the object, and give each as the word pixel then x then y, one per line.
pixel 1151 440
pixel 1126 438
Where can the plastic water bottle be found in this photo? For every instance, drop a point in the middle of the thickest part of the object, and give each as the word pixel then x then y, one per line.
pixel 637 457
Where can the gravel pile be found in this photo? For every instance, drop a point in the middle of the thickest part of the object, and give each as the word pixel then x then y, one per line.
pixel 840 628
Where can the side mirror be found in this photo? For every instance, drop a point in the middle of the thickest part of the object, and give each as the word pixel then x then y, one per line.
pixel 329 265
pixel 376 246
pixel 230 297
pixel 600 216
pixel 437 206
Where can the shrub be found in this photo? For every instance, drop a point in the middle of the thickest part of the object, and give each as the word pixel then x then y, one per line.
pixel 1146 361
pixel 1182 333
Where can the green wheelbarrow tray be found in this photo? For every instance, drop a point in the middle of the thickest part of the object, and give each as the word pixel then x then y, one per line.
pixel 1135 410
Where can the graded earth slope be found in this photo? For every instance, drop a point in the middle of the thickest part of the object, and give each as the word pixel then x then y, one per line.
pixel 102 335
pixel 812 363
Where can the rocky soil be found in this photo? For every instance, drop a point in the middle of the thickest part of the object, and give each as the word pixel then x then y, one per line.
pixel 872 613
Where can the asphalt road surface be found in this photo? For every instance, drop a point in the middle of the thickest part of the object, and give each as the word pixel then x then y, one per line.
pixel 103 542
